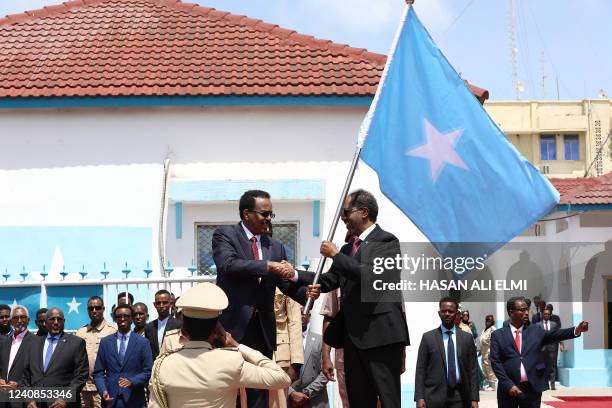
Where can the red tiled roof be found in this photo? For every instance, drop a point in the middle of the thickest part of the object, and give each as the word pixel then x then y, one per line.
pixel 585 191
pixel 166 47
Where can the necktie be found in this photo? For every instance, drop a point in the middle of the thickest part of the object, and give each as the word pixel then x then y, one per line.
pixel 450 357
pixel 546 326
pixel 355 246
pixel 254 248
pixel 122 348
pixel 517 340
pixel 49 352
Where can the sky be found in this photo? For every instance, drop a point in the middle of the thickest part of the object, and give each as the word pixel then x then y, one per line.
pixel 563 48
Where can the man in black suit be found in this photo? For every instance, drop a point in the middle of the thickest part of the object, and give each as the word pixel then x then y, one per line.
pixel 5 321
pixel 156 330
pixel 250 266
pixel 517 359
pixel 537 317
pixel 13 350
pixel 550 351
pixel 58 360
pixel 553 317
pixel 446 370
pixel 375 333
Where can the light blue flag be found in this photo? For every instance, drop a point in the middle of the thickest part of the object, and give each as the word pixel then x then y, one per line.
pixel 73 302
pixel 439 156
pixel 24 296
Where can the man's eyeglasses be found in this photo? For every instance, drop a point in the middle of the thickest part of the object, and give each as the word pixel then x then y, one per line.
pixel 265 214
pixel 17 318
pixel 91 308
pixel 347 211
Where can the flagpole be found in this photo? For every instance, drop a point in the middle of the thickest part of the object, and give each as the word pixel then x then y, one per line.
pixel 363 132
pixel 332 230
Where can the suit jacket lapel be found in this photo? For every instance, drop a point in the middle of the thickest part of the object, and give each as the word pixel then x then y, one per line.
pixel 265 247
pixel 508 333
pixel 24 345
pixel 128 350
pixel 56 352
pixel 370 237
pixel 438 338
pixel 244 241
pixel 156 327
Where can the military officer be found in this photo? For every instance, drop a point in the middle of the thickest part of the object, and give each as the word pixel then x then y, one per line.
pixel 198 375
pixel 92 333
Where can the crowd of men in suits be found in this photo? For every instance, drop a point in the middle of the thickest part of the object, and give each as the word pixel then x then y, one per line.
pixel 194 354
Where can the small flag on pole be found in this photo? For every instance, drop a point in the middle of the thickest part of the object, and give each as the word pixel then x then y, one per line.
pixel 439 156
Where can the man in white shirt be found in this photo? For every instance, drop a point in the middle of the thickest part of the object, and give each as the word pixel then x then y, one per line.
pixel 155 330
pixel 14 347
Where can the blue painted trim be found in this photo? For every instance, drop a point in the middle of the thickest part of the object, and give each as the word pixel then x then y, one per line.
pixel 582 207
pixel 316 218
pixel 231 190
pixel 146 101
pixel 178 217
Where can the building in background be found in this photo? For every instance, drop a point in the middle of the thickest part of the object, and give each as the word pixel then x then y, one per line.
pixel 561 138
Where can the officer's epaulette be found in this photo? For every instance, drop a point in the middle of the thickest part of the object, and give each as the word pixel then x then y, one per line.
pixel 228 348
pixel 173 331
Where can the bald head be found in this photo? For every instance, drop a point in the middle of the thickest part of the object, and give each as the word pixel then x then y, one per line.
pixel 55 321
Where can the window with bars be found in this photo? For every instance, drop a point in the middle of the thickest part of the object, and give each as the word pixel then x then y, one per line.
pixel 285 232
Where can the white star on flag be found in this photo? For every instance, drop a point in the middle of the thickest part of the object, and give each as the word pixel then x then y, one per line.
pixel 14 303
pixel 439 149
pixel 74 306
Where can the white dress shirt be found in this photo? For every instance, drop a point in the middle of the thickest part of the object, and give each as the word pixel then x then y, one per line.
pixel 161 328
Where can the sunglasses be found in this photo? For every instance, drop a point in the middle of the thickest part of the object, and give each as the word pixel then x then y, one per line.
pixel 90 308
pixel 347 211
pixel 265 214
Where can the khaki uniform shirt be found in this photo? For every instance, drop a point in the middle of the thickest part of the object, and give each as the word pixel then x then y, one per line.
pixel 485 342
pixel 92 337
pixel 172 341
pixel 289 345
pixel 198 376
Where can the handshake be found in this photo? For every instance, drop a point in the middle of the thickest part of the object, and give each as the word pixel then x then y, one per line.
pixel 283 269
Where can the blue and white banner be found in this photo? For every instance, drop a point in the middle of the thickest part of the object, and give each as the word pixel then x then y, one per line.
pixel 27 296
pixel 73 301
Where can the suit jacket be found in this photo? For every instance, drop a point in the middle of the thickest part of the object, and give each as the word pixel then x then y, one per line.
pixel 151 332
pixel 136 367
pixel 247 283
pixel 551 347
pixel 431 373
pixel 506 360
pixel 15 372
pixel 367 324
pixel 312 382
pixel 68 366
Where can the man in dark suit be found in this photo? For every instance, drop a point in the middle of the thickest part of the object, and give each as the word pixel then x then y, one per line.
pixel 553 317
pixel 446 370
pixel 156 330
pixel 375 332
pixel 123 365
pixel 250 266
pixel 550 351
pixel 13 350
pixel 538 316
pixel 58 360
pixel 517 360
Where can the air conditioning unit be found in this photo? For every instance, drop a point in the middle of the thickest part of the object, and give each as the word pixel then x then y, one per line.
pixel 545 168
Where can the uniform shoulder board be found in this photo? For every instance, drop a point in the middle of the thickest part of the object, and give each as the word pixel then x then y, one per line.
pixel 228 348
pixel 173 331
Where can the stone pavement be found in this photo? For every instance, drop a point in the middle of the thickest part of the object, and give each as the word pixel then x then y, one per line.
pixel 488 399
